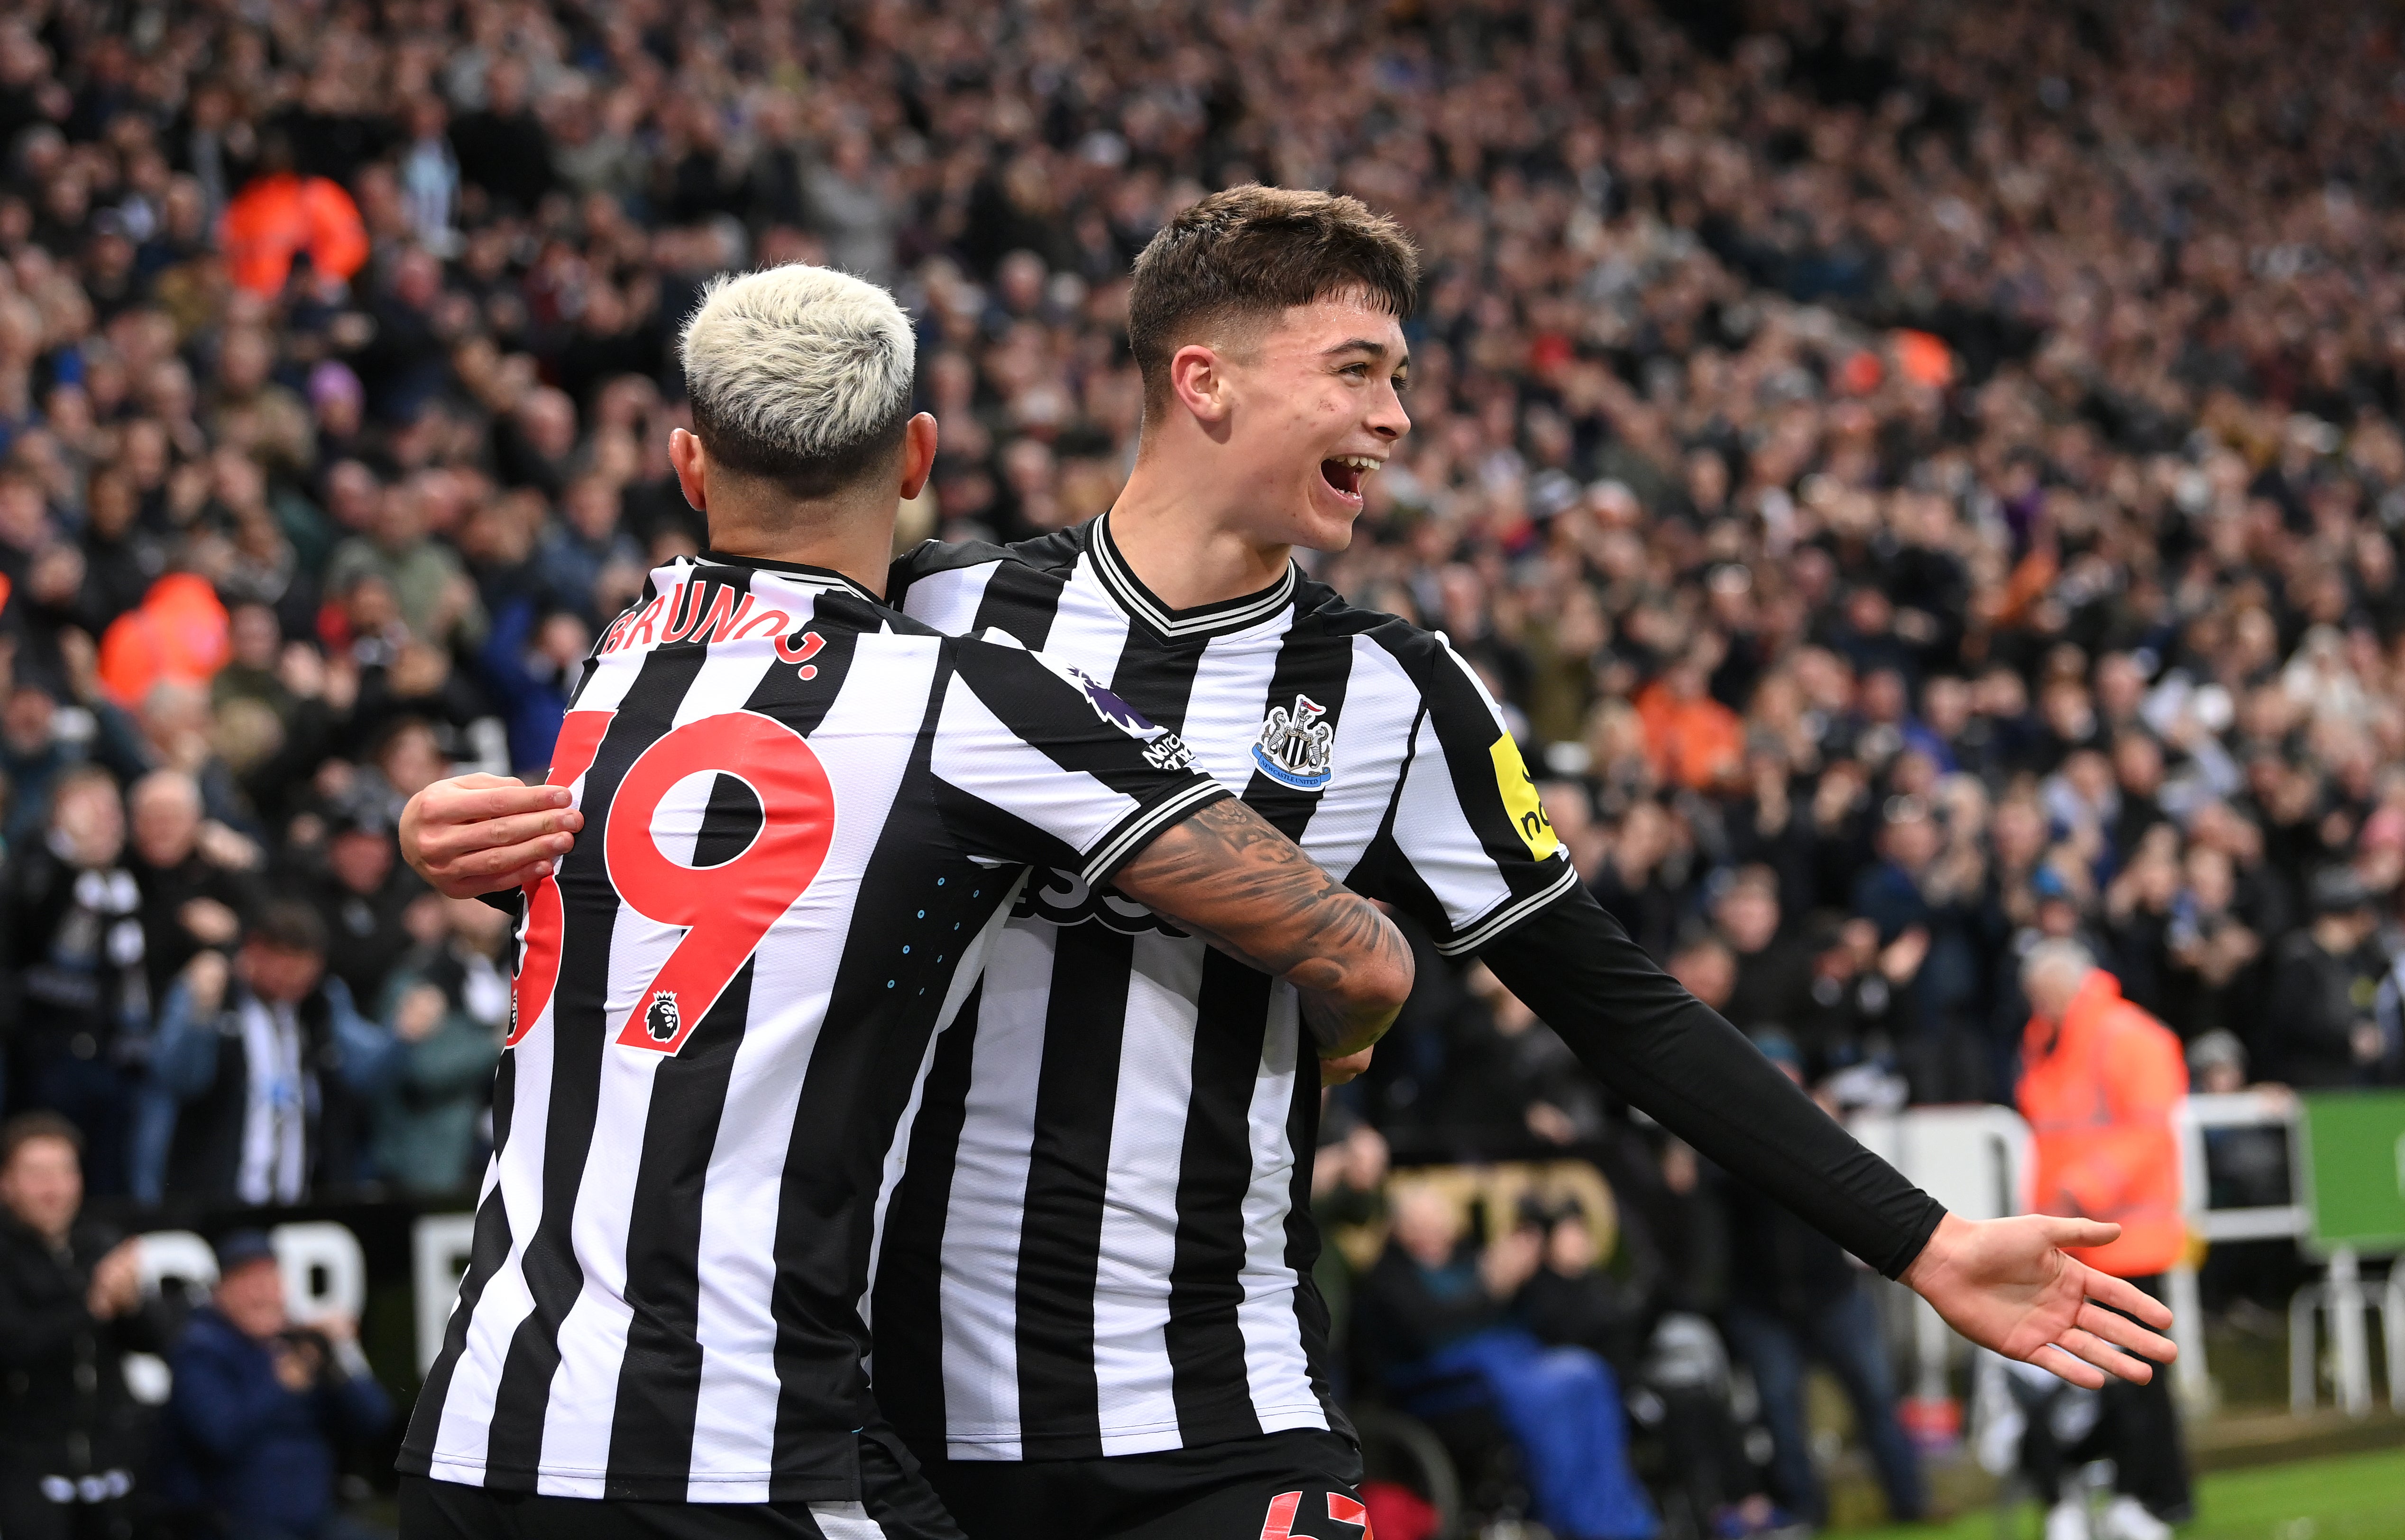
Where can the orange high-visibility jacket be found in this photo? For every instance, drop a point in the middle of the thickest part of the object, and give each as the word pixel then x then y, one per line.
pixel 278 218
pixel 2098 1098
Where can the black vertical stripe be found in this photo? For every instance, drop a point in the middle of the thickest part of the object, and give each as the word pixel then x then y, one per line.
pixel 659 1382
pixel 580 1038
pixel 1068 1175
pixel 1207 1343
pixel 1302 1246
pixel 1215 1170
pixel 907 1307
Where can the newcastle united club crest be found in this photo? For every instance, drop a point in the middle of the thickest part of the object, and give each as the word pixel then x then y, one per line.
pixel 1293 748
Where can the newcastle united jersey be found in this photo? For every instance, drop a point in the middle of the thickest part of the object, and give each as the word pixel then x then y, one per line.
pixel 1101 1242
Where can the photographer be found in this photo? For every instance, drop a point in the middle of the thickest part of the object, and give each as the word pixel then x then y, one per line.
pixel 251 1446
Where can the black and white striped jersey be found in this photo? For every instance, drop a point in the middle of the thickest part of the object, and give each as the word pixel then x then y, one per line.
pixel 807 817
pixel 1102 1244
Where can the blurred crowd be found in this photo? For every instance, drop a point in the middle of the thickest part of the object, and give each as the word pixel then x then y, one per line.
pixel 1922 481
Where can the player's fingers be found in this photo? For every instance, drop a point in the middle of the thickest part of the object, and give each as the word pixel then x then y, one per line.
pixel 487 865
pixel 2082 1233
pixel 2059 1362
pixel 452 803
pixel 2126 1335
pixel 535 872
pixel 2122 1294
pixel 2105 1356
pixel 500 833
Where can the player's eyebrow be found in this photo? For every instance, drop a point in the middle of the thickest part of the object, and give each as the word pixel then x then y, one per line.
pixel 1365 345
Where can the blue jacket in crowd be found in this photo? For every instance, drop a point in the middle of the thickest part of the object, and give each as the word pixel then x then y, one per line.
pixel 260 1458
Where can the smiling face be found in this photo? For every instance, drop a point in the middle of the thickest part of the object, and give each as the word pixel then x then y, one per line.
pixel 1313 408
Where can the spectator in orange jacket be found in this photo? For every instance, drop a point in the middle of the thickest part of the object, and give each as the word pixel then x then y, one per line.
pixel 2098 1079
pixel 280 215
pixel 1692 739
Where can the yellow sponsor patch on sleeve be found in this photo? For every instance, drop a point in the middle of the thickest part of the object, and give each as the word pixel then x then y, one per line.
pixel 1520 800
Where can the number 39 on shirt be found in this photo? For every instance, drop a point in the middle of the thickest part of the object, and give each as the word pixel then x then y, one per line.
pixel 725 909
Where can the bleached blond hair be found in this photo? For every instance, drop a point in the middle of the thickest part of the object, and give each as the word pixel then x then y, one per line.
pixel 799 374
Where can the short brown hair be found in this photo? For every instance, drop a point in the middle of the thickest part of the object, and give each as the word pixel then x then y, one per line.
pixel 286 925
pixel 1251 251
pixel 25 1127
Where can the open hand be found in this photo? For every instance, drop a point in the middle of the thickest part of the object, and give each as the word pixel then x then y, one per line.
pixel 2009 1285
pixel 481 833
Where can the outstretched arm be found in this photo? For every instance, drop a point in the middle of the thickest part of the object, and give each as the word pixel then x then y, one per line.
pixel 2007 1285
pixel 1228 874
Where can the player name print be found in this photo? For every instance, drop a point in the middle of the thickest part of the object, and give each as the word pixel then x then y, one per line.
pixel 1294 745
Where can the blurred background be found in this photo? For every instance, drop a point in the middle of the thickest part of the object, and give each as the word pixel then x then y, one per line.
pixel 1923 480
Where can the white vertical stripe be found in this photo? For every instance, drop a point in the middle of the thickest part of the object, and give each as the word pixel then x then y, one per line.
pixel 1088 629
pixel 793 977
pixel 583 1398
pixel 1230 696
pixel 1372 731
pixel 1138 1244
pixel 989 1196
pixel 461 1440
pixel 948 600
pixel 1436 837
pixel 1274 1362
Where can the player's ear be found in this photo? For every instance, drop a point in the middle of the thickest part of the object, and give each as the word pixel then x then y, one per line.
pixel 1198 378
pixel 918 455
pixel 692 467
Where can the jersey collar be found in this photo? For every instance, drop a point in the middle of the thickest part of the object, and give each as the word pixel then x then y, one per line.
pixel 1218 619
pixel 826 576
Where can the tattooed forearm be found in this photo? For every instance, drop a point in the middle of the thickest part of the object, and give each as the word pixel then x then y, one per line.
pixel 1228 874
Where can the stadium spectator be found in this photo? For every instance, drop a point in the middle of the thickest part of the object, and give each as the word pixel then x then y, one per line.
pixel 261 1409
pixel 76 995
pixel 1795 1298
pixel 71 1309
pixel 447 1006
pixel 2098 1085
pixel 263 1072
pixel 1436 1313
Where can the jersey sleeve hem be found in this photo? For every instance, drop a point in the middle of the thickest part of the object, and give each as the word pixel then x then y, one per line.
pixel 1509 913
pixel 1139 829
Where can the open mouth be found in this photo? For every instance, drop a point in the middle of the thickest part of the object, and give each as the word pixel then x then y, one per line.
pixel 1344 474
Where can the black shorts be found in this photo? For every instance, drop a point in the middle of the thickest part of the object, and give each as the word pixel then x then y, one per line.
pixel 895 1505
pixel 1304 1483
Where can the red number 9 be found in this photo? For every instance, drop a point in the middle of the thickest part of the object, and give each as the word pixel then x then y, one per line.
pixel 727 908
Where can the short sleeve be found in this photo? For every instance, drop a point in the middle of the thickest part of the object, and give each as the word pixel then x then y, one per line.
pixel 1469 852
pixel 1035 761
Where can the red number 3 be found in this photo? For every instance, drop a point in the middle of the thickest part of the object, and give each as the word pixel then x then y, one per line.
pixel 727 908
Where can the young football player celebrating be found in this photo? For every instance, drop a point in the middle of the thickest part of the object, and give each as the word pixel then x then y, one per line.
pixel 1093 1311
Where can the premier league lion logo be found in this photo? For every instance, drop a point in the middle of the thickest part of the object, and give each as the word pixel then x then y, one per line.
pixel 661 1020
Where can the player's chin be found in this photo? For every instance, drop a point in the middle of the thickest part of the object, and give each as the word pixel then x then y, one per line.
pixel 1328 514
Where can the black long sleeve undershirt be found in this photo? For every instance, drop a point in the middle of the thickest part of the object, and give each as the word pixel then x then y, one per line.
pixel 1643 1033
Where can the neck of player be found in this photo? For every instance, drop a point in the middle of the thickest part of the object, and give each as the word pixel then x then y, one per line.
pixel 1188 547
pixel 857 542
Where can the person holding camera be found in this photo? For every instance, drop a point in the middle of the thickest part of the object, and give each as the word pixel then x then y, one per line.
pixel 261 1409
